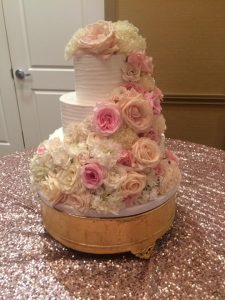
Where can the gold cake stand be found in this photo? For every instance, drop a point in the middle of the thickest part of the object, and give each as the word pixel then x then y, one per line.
pixel 136 234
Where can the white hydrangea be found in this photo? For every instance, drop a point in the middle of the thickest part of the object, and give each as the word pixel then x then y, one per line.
pixel 79 151
pixel 152 180
pixel 148 195
pixel 128 36
pixel 107 203
pixel 106 152
pixel 115 177
pixel 171 178
pixel 73 43
pixel 39 170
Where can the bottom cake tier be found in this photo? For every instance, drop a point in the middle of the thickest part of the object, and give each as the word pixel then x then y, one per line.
pixel 136 234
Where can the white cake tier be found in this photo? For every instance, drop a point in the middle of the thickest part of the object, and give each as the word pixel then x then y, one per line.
pixel 96 77
pixel 72 109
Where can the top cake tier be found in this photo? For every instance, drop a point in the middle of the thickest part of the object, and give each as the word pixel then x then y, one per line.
pixel 99 51
pixel 95 77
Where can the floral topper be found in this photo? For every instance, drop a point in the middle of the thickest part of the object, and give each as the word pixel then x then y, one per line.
pixel 105 38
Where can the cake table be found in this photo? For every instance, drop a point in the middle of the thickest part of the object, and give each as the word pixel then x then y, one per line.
pixel 187 263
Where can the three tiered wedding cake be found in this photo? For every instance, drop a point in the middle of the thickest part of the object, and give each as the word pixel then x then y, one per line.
pixel 111 158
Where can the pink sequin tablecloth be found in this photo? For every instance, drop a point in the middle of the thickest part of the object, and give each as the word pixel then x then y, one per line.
pixel 187 263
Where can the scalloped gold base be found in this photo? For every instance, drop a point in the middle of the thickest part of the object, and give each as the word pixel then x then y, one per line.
pixel 136 234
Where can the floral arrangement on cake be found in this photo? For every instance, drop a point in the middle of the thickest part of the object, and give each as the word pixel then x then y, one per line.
pixel 116 158
pixel 105 38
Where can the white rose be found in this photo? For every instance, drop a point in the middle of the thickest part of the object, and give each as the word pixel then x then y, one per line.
pixel 69 180
pixel 51 191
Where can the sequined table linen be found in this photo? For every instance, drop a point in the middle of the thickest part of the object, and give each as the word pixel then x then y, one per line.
pixel 187 263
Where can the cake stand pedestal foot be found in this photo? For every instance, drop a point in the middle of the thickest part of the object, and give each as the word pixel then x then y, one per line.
pixel 144 253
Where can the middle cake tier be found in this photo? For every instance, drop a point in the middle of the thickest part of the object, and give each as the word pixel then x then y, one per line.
pixel 72 109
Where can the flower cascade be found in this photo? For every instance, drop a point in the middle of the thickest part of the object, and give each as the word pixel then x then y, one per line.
pixel 116 158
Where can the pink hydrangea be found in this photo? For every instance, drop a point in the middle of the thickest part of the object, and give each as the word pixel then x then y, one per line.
pixel 155 98
pixel 106 119
pixel 126 158
pixel 159 170
pixel 171 155
pixel 153 135
pixel 135 86
pixel 141 61
pixel 92 175
pixel 130 200
pixel 41 149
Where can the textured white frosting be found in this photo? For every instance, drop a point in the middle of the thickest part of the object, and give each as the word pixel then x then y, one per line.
pixel 96 77
pixel 72 109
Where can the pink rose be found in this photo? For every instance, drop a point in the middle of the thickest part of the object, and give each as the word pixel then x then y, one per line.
pixel 153 135
pixel 171 155
pixel 159 170
pixel 126 158
pixel 135 86
pixel 41 150
pixel 106 119
pixel 129 201
pixel 92 175
pixel 130 73
pixel 137 113
pixel 100 38
pixel 155 98
pixel 141 61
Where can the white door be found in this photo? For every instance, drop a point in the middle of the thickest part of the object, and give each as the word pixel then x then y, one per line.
pixel 37 34
pixel 10 128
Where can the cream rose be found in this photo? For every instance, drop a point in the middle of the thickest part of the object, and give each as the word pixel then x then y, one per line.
pixel 137 114
pixel 99 38
pixel 74 202
pixel 50 190
pixel 134 184
pixel 146 153
pixel 130 73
